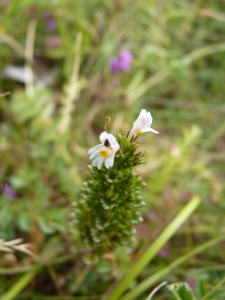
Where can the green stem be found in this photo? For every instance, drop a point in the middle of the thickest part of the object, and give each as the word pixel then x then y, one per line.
pixel 73 88
pixel 204 51
pixel 155 247
pixel 80 278
pixel 29 56
pixel 176 295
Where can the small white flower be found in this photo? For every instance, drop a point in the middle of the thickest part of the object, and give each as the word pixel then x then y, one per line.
pixel 105 152
pixel 142 124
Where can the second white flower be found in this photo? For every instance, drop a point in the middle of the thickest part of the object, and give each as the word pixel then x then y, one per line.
pixel 142 124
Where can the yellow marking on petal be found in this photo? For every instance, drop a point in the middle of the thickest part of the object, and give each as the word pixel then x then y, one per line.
pixel 137 133
pixel 103 153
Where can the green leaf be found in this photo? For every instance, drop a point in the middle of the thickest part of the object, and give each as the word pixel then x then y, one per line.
pixel 201 288
pixel 24 222
pixel 44 226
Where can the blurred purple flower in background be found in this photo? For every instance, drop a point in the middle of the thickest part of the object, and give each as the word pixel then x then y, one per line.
pixel 115 65
pixel 50 26
pixel 47 15
pixel 9 192
pixel 122 63
pixel 50 23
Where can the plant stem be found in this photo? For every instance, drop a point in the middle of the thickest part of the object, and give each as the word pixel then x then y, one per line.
pixel 29 56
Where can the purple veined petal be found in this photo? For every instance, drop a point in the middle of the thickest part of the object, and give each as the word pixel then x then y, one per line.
pixel 8 191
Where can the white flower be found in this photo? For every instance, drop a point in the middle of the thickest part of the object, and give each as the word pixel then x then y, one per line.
pixel 142 124
pixel 104 152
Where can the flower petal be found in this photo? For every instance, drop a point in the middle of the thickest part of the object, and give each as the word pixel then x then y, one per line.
pixel 95 148
pixel 95 161
pixel 151 129
pixel 142 124
pixel 144 119
pixel 113 142
pixel 95 154
pixel 109 161
pixel 100 163
pixel 103 136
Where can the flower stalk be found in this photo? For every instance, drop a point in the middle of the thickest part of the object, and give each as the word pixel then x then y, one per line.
pixel 108 206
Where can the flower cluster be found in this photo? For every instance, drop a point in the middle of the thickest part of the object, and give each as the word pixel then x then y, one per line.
pixel 105 152
pixel 122 63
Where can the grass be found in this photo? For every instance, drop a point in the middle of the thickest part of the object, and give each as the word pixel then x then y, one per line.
pixel 48 123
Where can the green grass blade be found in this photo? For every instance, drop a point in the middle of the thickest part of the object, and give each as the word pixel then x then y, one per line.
pixel 19 285
pixel 216 287
pixel 150 281
pixel 155 247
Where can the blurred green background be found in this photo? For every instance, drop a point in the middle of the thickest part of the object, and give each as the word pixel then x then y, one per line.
pixel 55 59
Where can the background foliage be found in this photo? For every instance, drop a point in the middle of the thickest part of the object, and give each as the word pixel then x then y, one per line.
pixel 47 127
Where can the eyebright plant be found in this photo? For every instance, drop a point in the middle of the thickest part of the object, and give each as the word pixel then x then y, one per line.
pixel 107 209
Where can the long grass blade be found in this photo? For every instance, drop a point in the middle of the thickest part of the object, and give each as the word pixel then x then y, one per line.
pixel 150 281
pixel 155 247
pixel 19 285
